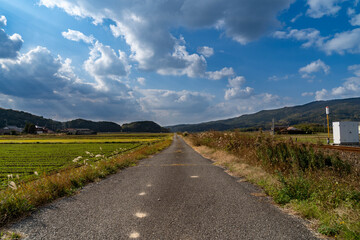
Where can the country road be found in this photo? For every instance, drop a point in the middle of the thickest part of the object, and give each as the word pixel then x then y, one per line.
pixel 176 194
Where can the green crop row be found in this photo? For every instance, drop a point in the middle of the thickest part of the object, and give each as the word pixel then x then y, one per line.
pixel 21 160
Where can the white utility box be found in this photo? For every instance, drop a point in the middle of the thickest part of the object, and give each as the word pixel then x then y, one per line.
pixel 346 133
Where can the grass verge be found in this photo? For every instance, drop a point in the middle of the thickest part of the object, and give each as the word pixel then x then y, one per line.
pixel 23 198
pixel 317 185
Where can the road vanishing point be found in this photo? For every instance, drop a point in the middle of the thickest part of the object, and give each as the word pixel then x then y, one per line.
pixel 176 194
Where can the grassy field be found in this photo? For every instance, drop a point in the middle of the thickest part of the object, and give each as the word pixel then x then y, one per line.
pixel 27 156
pixel 100 138
pixel 316 138
pixel 22 160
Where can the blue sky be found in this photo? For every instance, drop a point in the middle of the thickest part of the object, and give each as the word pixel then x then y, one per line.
pixel 175 61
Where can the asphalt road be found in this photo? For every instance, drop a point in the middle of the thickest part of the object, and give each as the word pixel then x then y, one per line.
pixel 176 194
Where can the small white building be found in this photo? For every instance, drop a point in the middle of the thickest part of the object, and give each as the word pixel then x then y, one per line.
pixel 346 133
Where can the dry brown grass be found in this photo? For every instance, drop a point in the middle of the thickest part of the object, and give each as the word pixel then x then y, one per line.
pixel 234 166
pixel 320 186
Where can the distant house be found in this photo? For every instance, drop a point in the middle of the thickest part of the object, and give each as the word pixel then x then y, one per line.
pixel 293 130
pixel 40 130
pixel 11 130
pixel 69 131
pixel 78 131
pixel 280 129
pixel 288 130
pixel 84 131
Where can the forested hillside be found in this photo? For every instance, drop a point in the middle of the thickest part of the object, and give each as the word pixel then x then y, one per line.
pixel 314 112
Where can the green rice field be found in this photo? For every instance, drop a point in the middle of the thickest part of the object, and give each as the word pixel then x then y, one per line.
pixel 23 157
pixel 316 138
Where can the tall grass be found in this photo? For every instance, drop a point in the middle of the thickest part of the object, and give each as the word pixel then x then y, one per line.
pixel 318 184
pixel 24 198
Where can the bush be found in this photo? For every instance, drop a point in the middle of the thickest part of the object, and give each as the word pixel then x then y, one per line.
pixel 293 187
pixel 317 183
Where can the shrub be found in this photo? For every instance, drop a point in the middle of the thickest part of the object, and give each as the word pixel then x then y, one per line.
pixel 293 187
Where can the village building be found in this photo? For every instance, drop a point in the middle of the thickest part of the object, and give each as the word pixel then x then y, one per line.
pixel 11 130
pixel 78 131
pixel 40 130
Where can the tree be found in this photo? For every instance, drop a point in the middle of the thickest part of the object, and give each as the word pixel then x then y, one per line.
pixel 30 128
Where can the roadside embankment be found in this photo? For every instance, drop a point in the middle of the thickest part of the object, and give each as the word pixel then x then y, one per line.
pixel 318 185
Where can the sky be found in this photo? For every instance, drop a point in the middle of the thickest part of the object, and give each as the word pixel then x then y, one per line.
pixel 175 61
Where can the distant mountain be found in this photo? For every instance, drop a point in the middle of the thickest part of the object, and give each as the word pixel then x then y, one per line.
pixel 95 126
pixel 143 126
pixel 314 112
pixel 9 117
pixel 18 118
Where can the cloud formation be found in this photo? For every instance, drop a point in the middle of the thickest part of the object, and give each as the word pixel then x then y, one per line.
pixel 9 45
pixel 349 88
pixel 310 36
pixel 235 91
pixel 33 74
pixel 39 82
pixel 341 43
pixel 206 51
pixel 104 63
pixel 145 26
pixel 175 106
pixel 320 8
pixel 77 36
pixel 314 67
pixel 141 81
pixel 3 21
pixel 217 75
pixel 251 104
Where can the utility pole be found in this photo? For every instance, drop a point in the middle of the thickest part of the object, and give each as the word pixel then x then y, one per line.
pixel 328 126
pixel 273 126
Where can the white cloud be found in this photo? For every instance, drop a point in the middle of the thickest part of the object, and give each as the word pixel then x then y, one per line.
pixel 205 51
pixel 145 27
pixel 306 94
pixel 9 45
pixel 321 95
pixel 239 106
pixel 348 41
pixel 141 81
pixel 175 106
pixel 77 36
pixel 275 78
pixel 235 91
pixel 183 63
pixel 33 74
pixel 40 83
pixel 349 88
pixel 296 17
pixel 310 36
pixel 217 75
pixel 355 68
pixel 354 18
pixel 320 8
pixel 104 63
pixel 314 67
pixel 3 21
